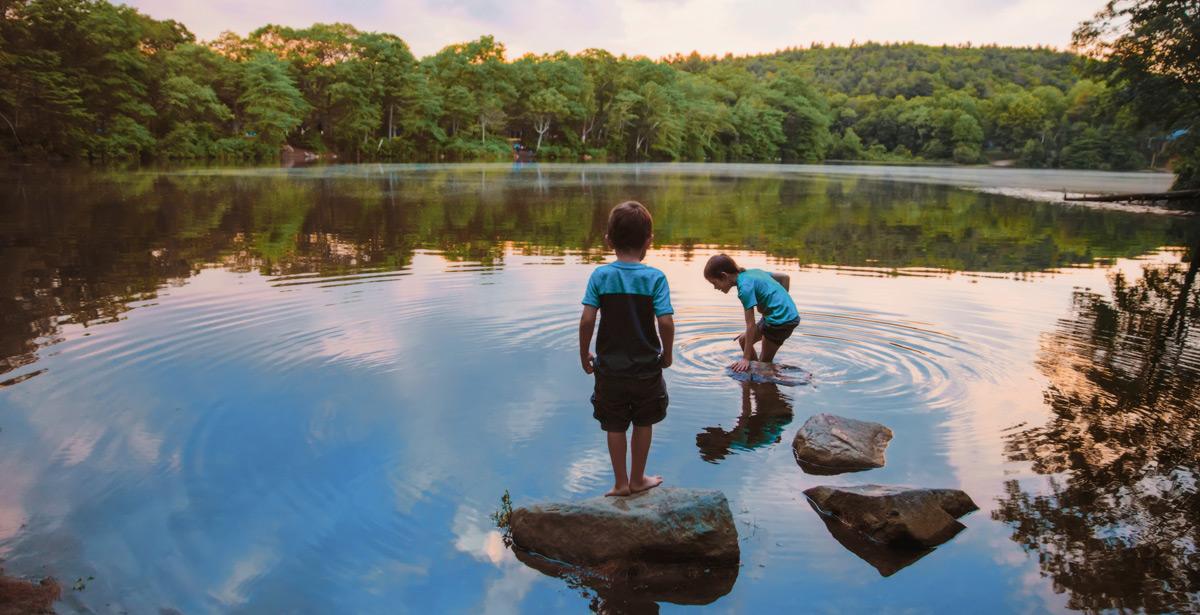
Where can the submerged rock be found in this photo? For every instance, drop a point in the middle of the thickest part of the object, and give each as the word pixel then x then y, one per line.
pixel 772 373
pixel 660 525
pixel 895 516
pixel 25 597
pixel 829 444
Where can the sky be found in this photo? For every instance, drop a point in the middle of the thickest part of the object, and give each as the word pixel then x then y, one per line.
pixel 653 28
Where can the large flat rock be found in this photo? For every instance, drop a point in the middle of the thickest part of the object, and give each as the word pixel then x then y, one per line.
pixel 895 516
pixel 660 525
pixel 829 444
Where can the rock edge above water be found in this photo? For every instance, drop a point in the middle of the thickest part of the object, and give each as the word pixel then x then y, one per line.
pixel 895 516
pixel 829 444
pixel 660 525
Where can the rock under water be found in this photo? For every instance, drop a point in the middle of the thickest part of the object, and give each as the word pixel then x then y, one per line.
pixel 772 373
pixel 828 444
pixel 20 597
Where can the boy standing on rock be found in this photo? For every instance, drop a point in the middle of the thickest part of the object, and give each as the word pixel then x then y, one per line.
pixel 629 358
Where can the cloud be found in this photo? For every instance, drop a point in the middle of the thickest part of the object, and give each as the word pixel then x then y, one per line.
pixel 653 27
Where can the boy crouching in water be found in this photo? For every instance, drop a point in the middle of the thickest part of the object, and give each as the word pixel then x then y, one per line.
pixel 629 358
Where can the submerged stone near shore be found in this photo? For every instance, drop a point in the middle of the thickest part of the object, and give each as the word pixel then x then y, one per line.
pixel 772 373
pixel 829 444
pixel 19 597
pixel 895 516
pixel 660 525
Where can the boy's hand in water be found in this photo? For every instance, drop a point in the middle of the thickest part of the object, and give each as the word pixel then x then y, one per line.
pixel 588 362
pixel 741 366
pixel 665 360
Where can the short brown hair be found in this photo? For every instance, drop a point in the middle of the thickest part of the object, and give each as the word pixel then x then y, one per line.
pixel 629 226
pixel 721 264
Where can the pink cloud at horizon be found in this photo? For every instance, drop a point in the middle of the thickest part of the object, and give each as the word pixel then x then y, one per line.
pixel 653 28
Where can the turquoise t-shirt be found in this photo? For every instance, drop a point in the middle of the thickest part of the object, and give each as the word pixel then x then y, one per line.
pixel 757 288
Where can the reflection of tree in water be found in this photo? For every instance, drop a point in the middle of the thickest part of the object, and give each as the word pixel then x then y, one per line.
pixel 79 247
pixel 766 411
pixel 1121 528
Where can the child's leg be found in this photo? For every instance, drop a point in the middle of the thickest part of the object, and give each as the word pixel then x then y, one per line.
pixel 638 481
pixel 616 452
pixel 741 342
pixel 769 350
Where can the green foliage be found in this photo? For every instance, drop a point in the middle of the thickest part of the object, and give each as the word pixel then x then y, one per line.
pixel 502 517
pixel 847 147
pixel 86 78
pixel 271 104
pixel 1150 49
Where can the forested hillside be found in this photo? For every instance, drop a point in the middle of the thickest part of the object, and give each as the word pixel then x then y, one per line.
pixel 959 103
pixel 90 80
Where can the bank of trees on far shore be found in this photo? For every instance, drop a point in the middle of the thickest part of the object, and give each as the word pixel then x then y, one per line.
pixel 86 79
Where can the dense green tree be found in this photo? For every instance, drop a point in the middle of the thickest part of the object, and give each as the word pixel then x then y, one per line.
pixel 86 78
pixel 271 104
pixel 1151 50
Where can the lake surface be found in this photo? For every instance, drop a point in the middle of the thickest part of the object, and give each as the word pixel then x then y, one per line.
pixel 305 390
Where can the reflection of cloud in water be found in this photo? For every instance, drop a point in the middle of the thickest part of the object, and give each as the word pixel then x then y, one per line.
pixel 13 515
pixel 144 443
pixel 588 472
pixel 76 448
pixel 234 591
pixel 476 536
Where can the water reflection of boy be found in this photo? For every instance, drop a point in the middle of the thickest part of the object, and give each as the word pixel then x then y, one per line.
pixel 631 298
pixel 761 423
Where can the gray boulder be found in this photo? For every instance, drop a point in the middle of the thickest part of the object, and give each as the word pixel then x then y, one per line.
pixel 829 444
pixel 660 525
pixel 895 516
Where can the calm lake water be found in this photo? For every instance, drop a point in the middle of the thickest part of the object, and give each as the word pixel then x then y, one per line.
pixel 305 390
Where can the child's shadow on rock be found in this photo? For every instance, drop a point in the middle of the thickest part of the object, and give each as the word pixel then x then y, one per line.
pixel 766 411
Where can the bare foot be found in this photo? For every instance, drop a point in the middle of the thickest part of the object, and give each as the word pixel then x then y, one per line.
pixel 619 491
pixel 647 483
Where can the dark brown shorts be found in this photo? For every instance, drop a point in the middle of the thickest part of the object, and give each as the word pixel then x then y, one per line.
pixel 777 333
pixel 617 402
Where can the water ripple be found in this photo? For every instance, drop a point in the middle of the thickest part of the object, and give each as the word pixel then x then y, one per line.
pixel 884 360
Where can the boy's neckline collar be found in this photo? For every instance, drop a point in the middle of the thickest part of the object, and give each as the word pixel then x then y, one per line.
pixel 628 264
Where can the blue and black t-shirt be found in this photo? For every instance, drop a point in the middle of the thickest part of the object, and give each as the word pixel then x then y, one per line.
pixel 631 296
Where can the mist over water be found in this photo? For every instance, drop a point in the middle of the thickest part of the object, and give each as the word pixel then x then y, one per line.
pixel 304 390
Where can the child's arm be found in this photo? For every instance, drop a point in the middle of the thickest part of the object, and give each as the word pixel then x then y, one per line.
pixel 783 280
pixel 666 331
pixel 747 343
pixel 587 326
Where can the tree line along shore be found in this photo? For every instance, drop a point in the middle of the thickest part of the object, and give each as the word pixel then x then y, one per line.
pixel 86 79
